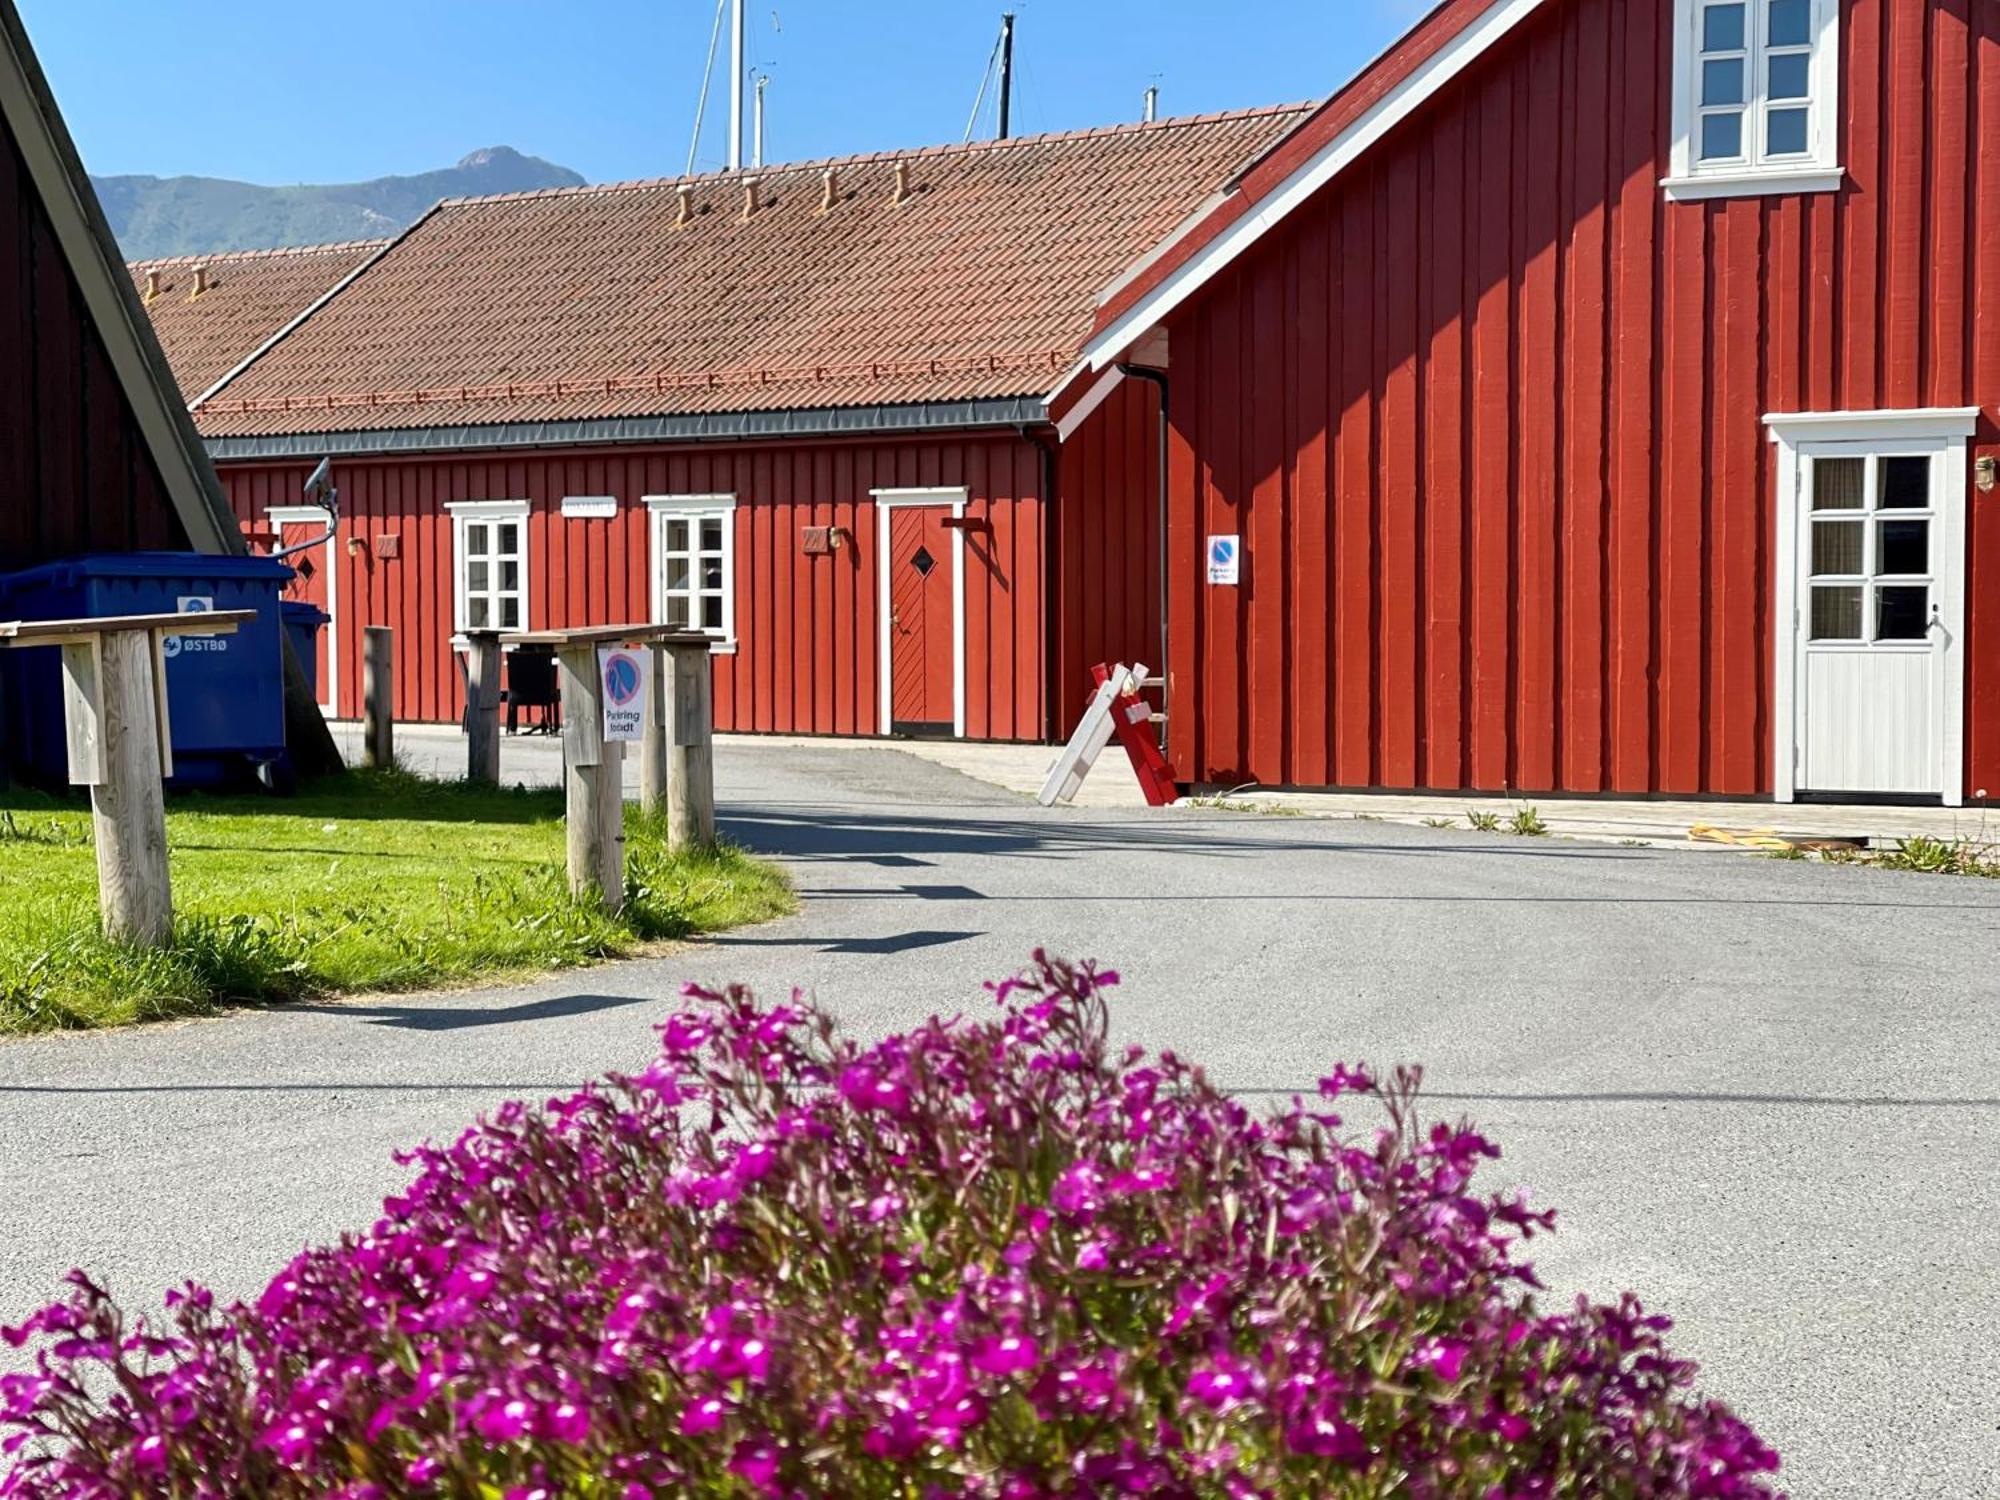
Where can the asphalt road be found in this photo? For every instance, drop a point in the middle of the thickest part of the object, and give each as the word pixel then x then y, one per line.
pixel 1764 1095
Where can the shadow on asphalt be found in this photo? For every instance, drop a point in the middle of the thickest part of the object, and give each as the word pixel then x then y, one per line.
pixel 441 1015
pixel 892 839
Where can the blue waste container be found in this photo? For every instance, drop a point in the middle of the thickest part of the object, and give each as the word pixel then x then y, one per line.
pixel 303 623
pixel 225 693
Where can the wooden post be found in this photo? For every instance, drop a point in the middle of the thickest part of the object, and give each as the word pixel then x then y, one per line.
pixel 482 706
pixel 653 790
pixel 691 756
pixel 128 809
pixel 593 781
pixel 378 696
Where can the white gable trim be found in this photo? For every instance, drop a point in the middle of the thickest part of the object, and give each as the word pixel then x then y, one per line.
pixel 55 174
pixel 1500 18
pixel 1099 392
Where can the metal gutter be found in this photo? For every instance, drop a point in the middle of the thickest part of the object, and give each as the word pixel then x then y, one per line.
pixel 840 421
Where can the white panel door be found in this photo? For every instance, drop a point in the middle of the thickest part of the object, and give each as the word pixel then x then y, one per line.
pixel 1878 610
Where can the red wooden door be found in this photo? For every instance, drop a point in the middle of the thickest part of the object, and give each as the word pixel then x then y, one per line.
pixel 923 621
pixel 312 569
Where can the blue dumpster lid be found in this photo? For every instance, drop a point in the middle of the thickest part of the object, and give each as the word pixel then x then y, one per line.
pixel 303 610
pixel 152 565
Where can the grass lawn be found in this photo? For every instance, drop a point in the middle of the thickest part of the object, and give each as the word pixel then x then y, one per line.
pixel 369 881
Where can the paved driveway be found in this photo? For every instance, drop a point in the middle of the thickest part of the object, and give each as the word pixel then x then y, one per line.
pixel 1765 1095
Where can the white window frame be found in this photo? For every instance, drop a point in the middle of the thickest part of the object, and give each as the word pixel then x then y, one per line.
pixel 694 509
pixel 886 500
pixel 1946 431
pixel 282 516
pixel 1818 170
pixel 462 512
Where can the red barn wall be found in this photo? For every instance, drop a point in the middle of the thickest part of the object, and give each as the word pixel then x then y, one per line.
pixel 1108 524
pixel 75 474
pixel 806 626
pixel 1486 413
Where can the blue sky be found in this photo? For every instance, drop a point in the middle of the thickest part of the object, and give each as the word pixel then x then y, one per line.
pixel 335 90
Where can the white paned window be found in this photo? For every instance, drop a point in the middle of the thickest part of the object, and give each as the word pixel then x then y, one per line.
pixel 490 564
pixel 694 564
pixel 1756 96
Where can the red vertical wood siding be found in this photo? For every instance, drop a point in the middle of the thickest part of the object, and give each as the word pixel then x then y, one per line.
pixel 807 627
pixel 1107 524
pixel 1487 415
pixel 75 474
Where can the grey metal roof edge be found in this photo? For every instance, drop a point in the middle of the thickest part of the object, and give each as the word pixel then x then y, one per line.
pixel 839 421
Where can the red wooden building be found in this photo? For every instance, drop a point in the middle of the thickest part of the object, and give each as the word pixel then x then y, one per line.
pixel 95 452
pixel 1602 396
pixel 805 409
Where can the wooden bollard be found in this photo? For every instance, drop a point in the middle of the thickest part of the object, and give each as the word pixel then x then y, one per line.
pixel 128 808
pixel 593 781
pixel 378 696
pixel 482 706
pixel 653 778
pixel 690 717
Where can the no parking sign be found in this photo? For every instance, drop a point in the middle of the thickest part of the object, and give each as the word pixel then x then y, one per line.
pixel 622 673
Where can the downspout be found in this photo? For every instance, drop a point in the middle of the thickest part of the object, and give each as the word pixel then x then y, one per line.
pixel 1159 379
pixel 1047 444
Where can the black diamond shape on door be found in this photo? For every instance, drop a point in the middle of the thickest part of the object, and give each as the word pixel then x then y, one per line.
pixel 923 562
pixel 305 567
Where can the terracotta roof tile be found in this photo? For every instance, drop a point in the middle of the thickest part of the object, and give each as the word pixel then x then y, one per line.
pixel 251 295
pixel 584 303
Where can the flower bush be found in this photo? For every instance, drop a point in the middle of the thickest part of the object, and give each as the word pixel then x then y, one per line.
pixel 991 1259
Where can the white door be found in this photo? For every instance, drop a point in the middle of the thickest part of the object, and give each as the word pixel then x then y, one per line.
pixel 1879 576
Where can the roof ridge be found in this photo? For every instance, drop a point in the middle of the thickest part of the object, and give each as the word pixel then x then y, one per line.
pixel 911 154
pixel 222 257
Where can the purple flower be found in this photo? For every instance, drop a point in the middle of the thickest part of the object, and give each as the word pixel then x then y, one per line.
pixel 1009 1354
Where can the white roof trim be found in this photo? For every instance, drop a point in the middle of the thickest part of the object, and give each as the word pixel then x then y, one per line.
pixel 111 304
pixel 1909 422
pixel 1099 392
pixel 1501 17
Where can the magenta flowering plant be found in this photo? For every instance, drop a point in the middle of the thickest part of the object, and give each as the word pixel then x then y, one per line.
pixel 984 1258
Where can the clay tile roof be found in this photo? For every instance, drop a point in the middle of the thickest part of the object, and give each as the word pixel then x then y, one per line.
pixel 251 295
pixel 588 303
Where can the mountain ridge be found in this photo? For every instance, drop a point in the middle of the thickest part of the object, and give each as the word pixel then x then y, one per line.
pixel 158 217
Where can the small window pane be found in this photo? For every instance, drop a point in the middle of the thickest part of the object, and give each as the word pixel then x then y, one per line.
pixel 1836 548
pixel 507 537
pixel 711 534
pixel 1785 132
pixel 711 613
pixel 677 612
pixel 1906 484
pixel 1722 81
pixel 1836 613
pixel 1902 613
pixel 677 573
pixel 477 577
pixel 1722 28
pixel 1791 75
pixel 1903 547
pixel 677 536
pixel 1790 23
pixel 476 615
pixel 510 575
pixel 510 614
pixel 1721 137
pixel 475 537
pixel 711 572
pixel 1839 483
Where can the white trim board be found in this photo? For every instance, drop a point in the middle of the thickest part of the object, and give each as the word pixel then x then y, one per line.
pixel 1100 391
pixel 1944 431
pixel 1500 18
pixel 887 500
pixel 589 507
pixel 658 508
pixel 319 515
